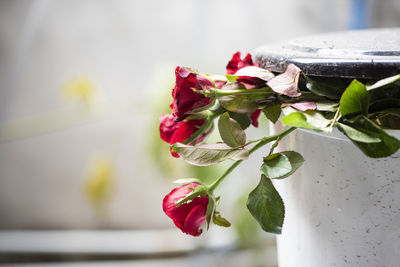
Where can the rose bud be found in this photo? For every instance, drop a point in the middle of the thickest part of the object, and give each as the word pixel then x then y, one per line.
pixel 189 216
pixel 185 97
pixel 172 131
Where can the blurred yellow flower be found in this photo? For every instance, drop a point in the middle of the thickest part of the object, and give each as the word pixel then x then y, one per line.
pixel 82 89
pixel 99 182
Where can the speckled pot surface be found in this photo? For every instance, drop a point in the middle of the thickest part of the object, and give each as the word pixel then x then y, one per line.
pixel 342 208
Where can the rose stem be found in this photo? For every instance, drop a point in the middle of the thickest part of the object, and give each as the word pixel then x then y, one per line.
pixel 262 142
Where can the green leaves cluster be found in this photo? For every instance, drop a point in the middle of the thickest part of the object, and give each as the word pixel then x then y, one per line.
pixel 360 126
pixel 362 112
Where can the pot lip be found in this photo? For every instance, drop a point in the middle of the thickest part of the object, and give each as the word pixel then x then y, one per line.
pixel 338 135
pixel 371 53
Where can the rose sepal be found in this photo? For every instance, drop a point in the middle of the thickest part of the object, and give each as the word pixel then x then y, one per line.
pixel 200 190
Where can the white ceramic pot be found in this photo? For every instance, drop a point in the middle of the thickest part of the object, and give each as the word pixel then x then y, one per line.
pixel 342 208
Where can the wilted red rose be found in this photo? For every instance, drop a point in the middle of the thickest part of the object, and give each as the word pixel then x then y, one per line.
pixel 236 63
pixel 172 131
pixel 187 217
pixel 250 75
pixel 185 99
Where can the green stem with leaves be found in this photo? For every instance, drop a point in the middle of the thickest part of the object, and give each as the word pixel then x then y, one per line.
pixel 266 91
pixel 260 144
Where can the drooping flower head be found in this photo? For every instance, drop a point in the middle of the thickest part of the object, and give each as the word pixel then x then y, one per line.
pixel 189 216
pixel 185 98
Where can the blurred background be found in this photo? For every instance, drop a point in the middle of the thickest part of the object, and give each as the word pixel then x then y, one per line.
pixel 82 84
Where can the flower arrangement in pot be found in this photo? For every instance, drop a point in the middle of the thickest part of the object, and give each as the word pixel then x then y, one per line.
pixel 361 110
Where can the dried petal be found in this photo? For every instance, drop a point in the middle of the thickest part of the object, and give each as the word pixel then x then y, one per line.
pixel 286 83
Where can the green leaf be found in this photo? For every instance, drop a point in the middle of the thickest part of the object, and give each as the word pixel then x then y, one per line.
pixel 354 100
pixel 208 154
pixel 240 103
pixel 385 148
pixel 384 82
pixel 231 78
pixel 296 160
pixel 383 104
pixel 197 191
pixel 272 112
pixel 357 135
pixel 243 119
pixel 219 220
pixel 327 106
pixel 231 132
pixel 390 119
pixel 281 165
pixel 309 119
pixel 331 88
pixel 391 91
pixel 266 206
pixel 276 166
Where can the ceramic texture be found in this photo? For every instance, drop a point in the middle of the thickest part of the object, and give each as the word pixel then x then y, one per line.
pixel 342 208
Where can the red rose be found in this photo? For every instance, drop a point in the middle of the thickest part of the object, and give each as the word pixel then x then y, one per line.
pixel 172 131
pixel 185 99
pixel 237 63
pixel 187 217
pixel 254 117
pixel 250 75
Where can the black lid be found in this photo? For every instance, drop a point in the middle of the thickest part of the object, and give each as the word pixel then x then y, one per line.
pixel 353 54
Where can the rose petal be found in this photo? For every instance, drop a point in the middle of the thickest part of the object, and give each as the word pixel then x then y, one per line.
pixel 167 127
pixel 219 84
pixel 185 129
pixel 196 217
pixel 254 117
pixel 237 63
pixel 302 106
pixel 187 217
pixel 178 214
pixel 256 72
pixel 286 83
